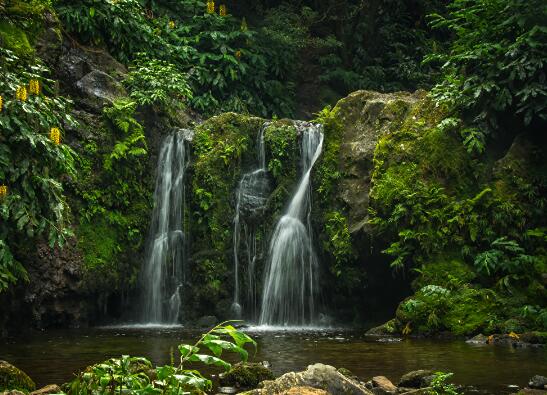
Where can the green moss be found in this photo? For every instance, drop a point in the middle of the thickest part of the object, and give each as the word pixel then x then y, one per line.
pixel 280 139
pixel 15 39
pixel 12 378
pixel 99 243
pixel 246 375
pixel 444 271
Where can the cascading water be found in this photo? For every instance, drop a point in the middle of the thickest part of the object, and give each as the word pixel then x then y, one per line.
pixel 163 270
pixel 252 194
pixel 290 282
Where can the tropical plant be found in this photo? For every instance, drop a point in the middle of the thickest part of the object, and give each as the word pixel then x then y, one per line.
pixel 152 81
pixel 439 386
pixel 495 65
pixel 33 160
pixel 136 375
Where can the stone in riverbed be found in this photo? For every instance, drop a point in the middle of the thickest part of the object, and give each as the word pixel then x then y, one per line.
pixel 318 376
pixel 416 379
pixel 384 385
pixel 479 339
pixel 246 375
pixel 538 382
pixel 48 389
pixel 13 378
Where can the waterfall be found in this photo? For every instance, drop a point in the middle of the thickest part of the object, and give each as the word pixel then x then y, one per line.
pixel 251 198
pixel 290 282
pixel 163 269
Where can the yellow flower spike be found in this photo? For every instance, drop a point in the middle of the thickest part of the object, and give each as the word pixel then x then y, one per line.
pixel 55 135
pixel 222 10
pixel 171 24
pixel 238 54
pixel 244 26
pixel 3 191
pixel 34 87
pixel 1 103
pixel 21 93
pixel 210 7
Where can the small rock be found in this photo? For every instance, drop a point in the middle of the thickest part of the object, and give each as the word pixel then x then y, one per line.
pixel 246 375
pixel 479 339
pixel 384 384
pixel 12 392
pixel 530 391
pixel 416 379
pixel 227 390
pixel 538 382
pixel 48 389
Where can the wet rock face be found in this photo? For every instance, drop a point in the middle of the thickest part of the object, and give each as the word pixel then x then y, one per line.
pixel 54 295
pixel 254 189
pixel 318 376
pixel 365 116
pixel 99 89
pixel 12 378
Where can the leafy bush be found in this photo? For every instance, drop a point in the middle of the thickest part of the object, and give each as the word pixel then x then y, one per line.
pixel 495 65
pixel 32 166
pixel 439 386
pixel 135 375
pixel 157 82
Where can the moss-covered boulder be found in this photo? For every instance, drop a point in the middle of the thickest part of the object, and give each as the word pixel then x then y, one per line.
pixel 365 116
pixel 13 378
pixel 246 375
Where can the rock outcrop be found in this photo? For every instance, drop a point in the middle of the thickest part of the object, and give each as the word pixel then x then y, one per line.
pixel 365 116
pixel 319 377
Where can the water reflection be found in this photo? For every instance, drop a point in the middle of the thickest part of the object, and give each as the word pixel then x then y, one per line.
pixel 52 357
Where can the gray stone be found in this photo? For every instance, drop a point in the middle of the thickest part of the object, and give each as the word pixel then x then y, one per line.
pixel 538 382
pixel 479 339
pixel 318 376
pixel 384 384
pixel 416 379
pixel 99 89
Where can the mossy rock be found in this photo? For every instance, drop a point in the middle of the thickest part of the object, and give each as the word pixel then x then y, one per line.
pixel 246 375
pixel 445 272
pixel 14 378
pixel 15 39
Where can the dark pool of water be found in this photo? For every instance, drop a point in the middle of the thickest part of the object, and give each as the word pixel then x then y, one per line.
pixel 54 356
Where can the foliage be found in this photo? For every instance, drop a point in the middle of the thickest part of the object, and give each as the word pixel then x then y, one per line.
pixel 439 386
pixel 228 68
pixel 157 82
pixel 280 140
pixel 32 166
pixel 136 375
pixel 115 191
pixel 431 200
pixel 338 241
pixel 495 66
